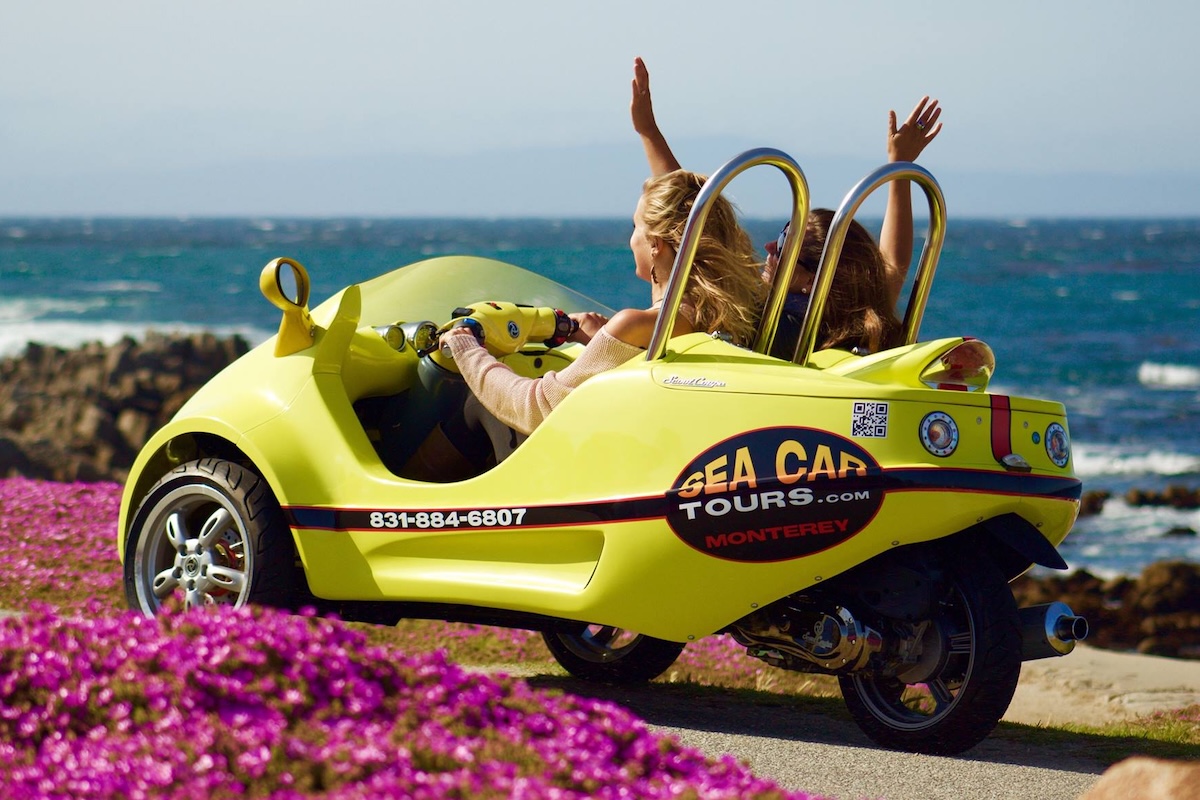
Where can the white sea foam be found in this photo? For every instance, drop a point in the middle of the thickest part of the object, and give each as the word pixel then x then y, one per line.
pixel 27 309
pixel 109 287
pixel 1123 539
pixel 1093 460
pixel 1168 376
pixel 68 334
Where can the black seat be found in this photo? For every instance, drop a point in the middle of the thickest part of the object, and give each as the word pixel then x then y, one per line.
pixel 787 334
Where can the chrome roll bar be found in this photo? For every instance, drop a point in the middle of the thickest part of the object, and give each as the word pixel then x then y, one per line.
pixel 840 226
pixel 690 242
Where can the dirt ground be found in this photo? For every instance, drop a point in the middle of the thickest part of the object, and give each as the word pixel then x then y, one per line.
pixel 1093 686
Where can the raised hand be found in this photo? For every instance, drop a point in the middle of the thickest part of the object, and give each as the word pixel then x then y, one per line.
pixel 641 109
pixel 904 143
pixel 658 153
pixel 907 141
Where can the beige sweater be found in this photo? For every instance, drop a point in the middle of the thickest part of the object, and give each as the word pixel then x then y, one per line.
pixel 522 403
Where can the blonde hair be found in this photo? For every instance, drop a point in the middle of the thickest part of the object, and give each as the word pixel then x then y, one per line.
pixel 725 286
pixel 858 310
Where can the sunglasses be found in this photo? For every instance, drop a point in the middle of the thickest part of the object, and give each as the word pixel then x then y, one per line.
pixel 778 253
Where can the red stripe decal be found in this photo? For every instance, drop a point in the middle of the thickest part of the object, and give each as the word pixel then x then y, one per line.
pixel 1001 427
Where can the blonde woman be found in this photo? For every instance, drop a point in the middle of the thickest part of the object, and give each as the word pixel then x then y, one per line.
pixel 905 141
pixel 860 312
pixel 724 293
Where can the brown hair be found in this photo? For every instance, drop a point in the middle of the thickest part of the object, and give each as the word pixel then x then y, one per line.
pixel 725 285
pixel 858 310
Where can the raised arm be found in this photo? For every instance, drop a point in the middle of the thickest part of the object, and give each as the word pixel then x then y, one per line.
pixel 904 144
pixel 658 152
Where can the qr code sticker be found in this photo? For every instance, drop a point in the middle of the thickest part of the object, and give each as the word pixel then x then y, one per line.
pixel 869 420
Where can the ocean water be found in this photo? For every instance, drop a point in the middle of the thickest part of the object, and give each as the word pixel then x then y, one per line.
pixel 1102 315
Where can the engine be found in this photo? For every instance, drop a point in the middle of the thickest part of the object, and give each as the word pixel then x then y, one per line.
pixel 790 635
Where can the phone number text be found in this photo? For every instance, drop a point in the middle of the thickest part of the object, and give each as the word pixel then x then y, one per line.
pixel 476 518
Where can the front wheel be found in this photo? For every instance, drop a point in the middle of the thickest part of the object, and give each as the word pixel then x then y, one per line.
pixel 210 532
pixel 970 660
pixel 605 654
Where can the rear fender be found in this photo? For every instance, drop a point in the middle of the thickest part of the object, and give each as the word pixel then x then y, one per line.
pixel 898 583
pixel 171 446
pixel 1016 545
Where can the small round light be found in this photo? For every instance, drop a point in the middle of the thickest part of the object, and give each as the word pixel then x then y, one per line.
pixel 939 434
pixel 1058 447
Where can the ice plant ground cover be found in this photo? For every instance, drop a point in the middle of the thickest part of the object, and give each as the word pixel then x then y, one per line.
pixel 58 546
pixel 220 703
pixel 97 701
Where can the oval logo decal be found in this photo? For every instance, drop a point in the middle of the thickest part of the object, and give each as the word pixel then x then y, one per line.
pixel 775 494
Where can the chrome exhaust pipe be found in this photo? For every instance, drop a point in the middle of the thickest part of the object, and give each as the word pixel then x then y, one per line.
pixel 1050 629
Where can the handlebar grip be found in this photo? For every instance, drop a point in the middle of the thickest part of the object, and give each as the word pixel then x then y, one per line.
pixel 564 328
pixel 466 322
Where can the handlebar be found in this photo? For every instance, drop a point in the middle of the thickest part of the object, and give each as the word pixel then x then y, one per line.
pixel 504 328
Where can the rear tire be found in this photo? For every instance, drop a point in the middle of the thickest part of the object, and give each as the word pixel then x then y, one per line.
pixel 605 654
pixel 210 532
pixel 954 698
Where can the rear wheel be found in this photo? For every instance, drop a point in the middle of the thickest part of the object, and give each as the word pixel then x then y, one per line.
pixel 964 678
pixel 606 654
pixel 210 532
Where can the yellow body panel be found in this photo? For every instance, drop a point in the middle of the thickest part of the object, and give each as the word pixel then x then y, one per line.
pixel 669 497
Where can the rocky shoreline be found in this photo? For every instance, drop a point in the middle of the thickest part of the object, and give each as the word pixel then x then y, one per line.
pixel 1181 497
pixel 83 415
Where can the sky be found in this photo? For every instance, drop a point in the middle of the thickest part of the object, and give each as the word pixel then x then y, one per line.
pixel 521 108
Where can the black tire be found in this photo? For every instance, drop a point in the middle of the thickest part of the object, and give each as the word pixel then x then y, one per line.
pixel 210 532
pixel 952 702
pixel 605 654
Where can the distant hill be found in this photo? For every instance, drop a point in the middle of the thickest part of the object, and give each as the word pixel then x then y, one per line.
pixel 597 180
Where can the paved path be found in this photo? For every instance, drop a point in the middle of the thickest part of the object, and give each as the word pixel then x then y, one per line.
pixel 813 746
pixel 821 751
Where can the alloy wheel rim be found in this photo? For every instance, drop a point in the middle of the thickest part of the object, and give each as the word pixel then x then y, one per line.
pixel 918 706
pixel 195 549
pixel 600 643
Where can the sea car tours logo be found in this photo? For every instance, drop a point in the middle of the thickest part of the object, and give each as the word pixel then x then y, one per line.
pixel 775 494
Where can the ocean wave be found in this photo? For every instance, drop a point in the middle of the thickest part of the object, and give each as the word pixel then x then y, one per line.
pixel 69 335
pixel 1123 539
pixel 118 287
pixel 1096 460
pixel 1168 376
pixel 27 309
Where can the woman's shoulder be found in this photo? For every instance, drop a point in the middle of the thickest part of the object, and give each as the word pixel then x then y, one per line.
pixel 633 326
